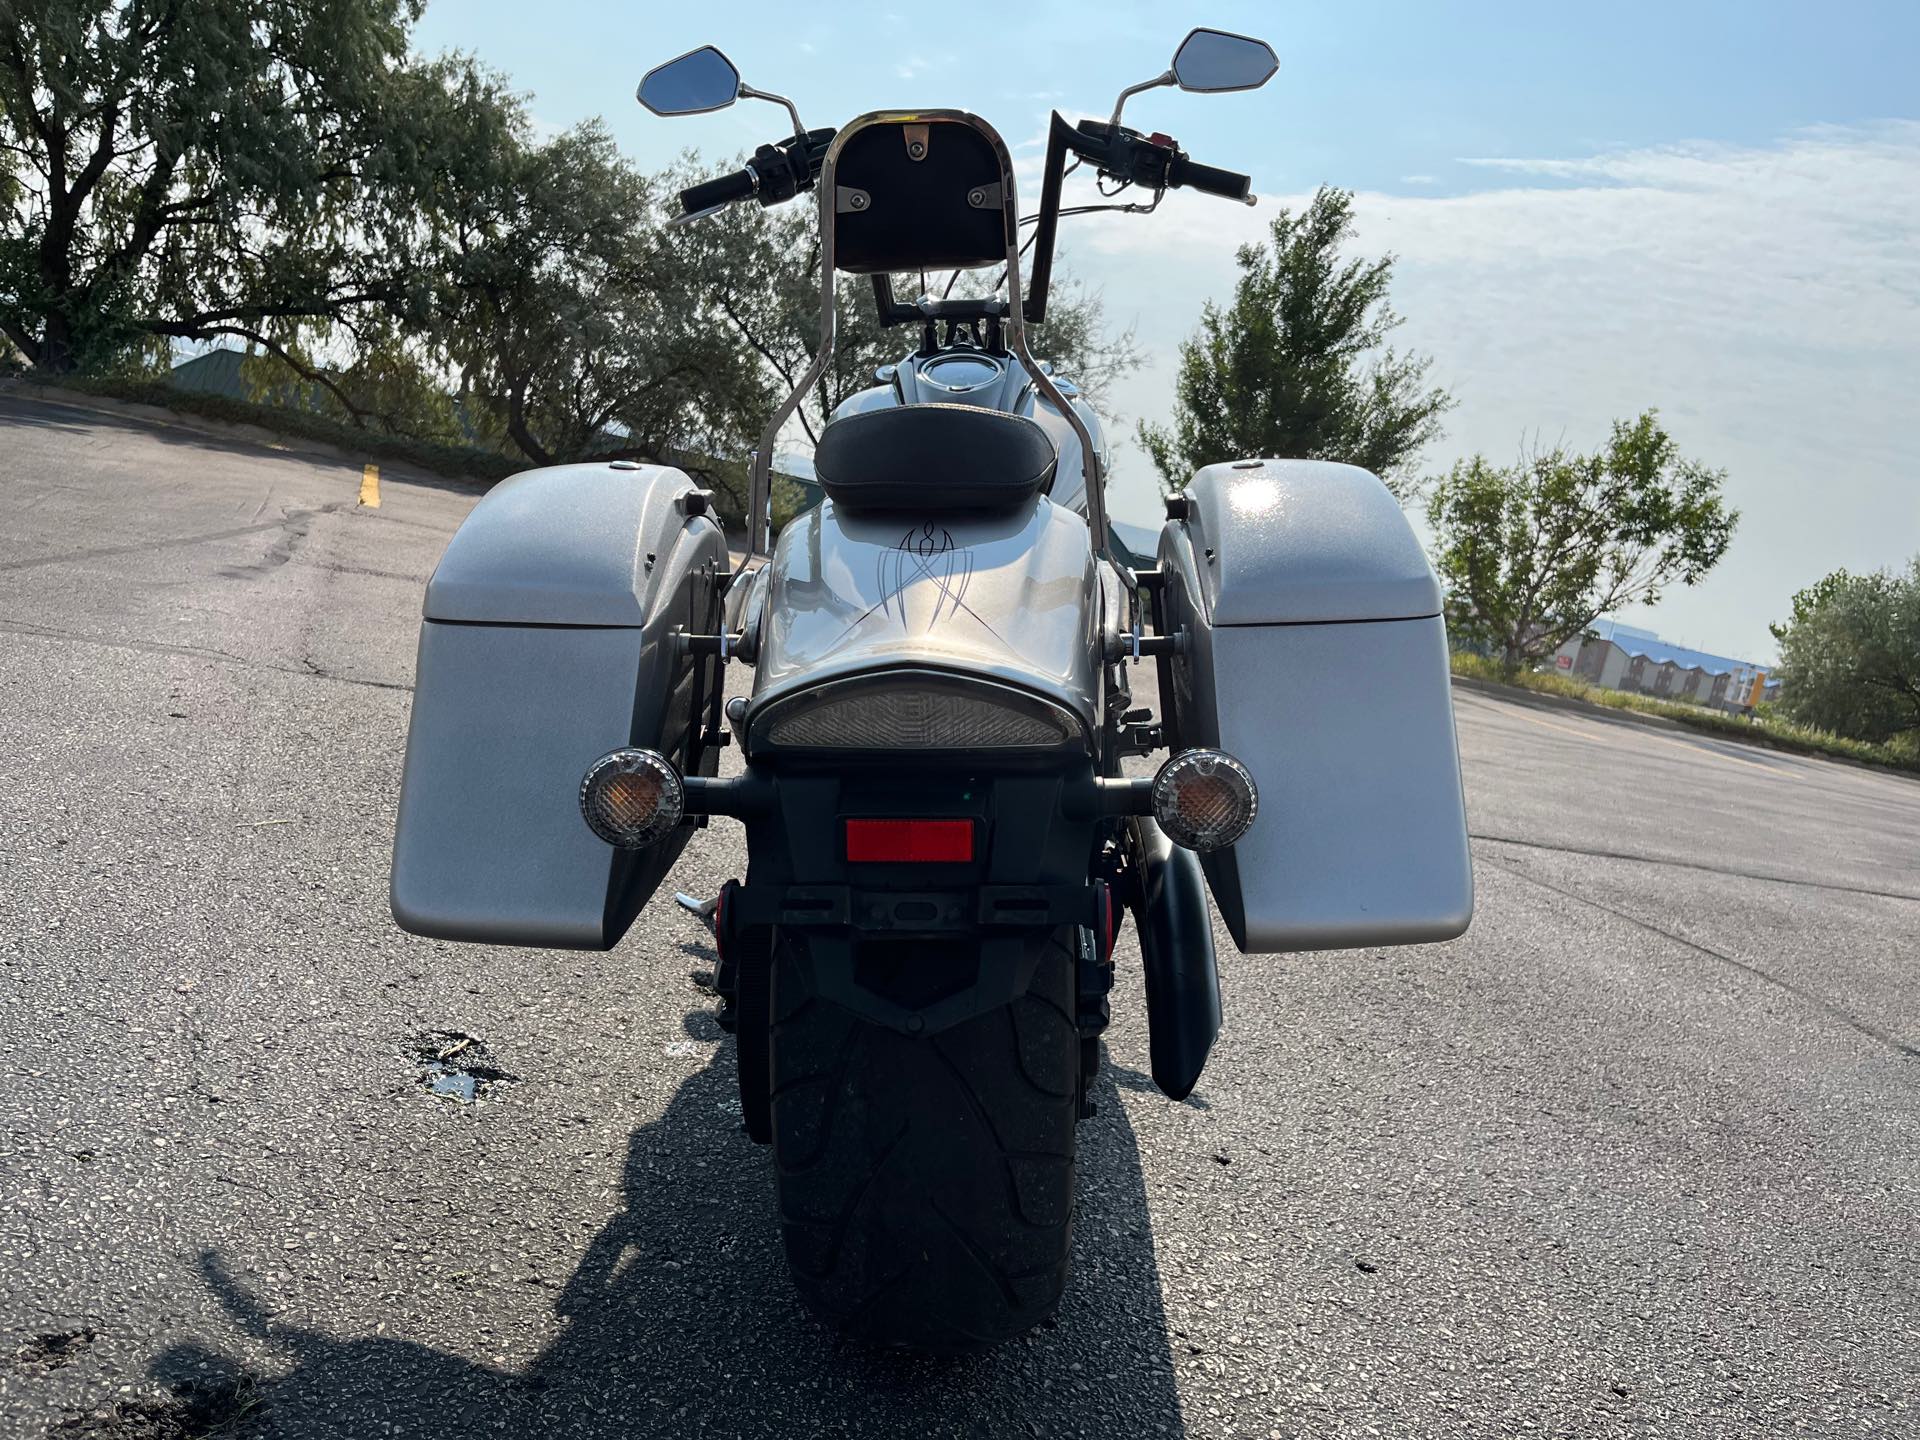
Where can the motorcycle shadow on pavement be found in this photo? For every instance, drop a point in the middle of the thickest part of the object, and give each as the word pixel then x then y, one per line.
pixel 680 1320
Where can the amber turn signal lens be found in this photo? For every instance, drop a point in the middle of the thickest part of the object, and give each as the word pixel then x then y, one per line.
pixel 1204 799
pixel 632 798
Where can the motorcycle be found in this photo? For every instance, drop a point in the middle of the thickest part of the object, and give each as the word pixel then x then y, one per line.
pixel 942 831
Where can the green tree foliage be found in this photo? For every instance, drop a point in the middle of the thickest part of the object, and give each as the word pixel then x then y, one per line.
pixel 1850 655
pixel 393 244
pixel 1297 365
pixel 572 319
pixel 1534 552
pixel 389 385
pixel 201 168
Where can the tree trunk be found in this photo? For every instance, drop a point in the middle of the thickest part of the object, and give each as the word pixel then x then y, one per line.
pixel 56 345
pixel 518 429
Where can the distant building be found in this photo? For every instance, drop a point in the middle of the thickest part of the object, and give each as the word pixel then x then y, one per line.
pixel 217 372
pixel 221 371
pixel 1621 657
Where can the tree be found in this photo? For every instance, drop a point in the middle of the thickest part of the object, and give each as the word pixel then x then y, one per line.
pixel 571 317
pixel 1296 365
pixel 1535 552
pixel 203 168
pixel 1850 655
pixel 381 230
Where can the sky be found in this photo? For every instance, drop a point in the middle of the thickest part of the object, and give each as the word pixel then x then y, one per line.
pixel 1712 209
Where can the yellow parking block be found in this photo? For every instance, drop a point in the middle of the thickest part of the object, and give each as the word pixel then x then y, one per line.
pixel 370 487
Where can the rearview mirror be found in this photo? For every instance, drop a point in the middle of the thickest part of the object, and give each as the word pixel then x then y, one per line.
pixel 698 81
pixel 1210 61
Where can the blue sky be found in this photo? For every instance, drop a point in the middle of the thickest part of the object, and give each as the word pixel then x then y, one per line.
pixel 1710 208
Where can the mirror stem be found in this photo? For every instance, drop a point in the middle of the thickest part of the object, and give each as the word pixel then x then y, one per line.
pixel 1165 78
pixel 747 92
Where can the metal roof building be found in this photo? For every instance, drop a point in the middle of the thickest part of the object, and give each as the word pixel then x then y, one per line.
pixel 1622 657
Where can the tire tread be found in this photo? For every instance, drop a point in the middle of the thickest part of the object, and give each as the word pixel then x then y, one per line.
pixel 908 1193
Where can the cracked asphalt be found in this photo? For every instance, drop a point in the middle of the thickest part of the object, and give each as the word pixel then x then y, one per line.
pixel 1637 1157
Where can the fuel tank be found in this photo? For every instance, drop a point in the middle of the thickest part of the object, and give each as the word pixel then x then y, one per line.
pixel 1011 597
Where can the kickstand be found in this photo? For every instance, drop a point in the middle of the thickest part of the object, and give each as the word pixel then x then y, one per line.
pixel 701 910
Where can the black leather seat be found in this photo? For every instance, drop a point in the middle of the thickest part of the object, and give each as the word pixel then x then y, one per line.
pixel 933 457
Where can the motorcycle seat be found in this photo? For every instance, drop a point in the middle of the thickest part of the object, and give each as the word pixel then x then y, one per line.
pixel 933 457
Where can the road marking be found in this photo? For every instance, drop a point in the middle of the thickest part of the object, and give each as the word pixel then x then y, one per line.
pixel 370 487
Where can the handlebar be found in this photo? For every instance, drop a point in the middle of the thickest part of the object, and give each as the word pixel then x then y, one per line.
pixel 1208 179
pixel 1154 162
pixel 775 174
pixel 721 190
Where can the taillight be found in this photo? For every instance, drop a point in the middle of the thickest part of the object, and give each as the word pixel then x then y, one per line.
pixel 914 710
pixel 909 842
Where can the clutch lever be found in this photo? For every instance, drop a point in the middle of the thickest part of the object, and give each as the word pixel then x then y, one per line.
pixel 687 219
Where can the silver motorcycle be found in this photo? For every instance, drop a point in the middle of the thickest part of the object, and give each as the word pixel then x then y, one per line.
pixel 942 830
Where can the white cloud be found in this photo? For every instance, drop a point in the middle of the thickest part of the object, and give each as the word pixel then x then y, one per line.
pixel 1419 180
pixel 1766 298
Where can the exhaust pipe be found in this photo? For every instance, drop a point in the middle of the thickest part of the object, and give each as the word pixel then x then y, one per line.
pixel 1176 949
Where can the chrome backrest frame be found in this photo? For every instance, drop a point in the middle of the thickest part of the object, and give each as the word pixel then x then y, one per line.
pixel 1015 329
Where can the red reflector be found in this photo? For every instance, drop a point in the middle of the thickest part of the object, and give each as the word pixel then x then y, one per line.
pixel 909 841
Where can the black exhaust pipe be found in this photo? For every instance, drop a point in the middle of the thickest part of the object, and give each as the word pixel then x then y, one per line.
pixel 1176 948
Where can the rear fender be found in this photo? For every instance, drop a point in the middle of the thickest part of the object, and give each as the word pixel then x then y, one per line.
pixel 1028 879
pixel 1013 598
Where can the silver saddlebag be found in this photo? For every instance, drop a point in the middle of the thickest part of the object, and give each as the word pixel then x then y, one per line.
pixel 549 639
pixel 1314 650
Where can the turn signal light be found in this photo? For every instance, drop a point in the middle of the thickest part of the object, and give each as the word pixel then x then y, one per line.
pixel 909 842
pixel 1204 799
pixel 632 798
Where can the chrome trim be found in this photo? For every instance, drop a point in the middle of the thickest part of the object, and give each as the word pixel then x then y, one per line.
pixel 739 86
pixel 929 372
pixel 1043 382
pixel 672 807
pixel 747 92
pixel 1166 77
pixel 827 198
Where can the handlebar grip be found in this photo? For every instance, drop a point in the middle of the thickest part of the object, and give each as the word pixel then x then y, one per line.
pixel 723 190
pixel 1228 184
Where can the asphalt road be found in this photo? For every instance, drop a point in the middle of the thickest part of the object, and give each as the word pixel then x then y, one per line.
pixel 1638 1156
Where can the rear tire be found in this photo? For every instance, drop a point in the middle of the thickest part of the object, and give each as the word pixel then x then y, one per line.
pixel 926 1184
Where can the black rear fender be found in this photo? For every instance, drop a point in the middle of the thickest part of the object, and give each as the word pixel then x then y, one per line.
pixel 917 945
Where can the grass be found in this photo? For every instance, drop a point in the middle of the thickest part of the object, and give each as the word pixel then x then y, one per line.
pixel 457 462
pixel 1759 730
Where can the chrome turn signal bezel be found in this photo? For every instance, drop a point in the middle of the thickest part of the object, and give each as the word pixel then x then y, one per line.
pixel 600 805
pixel 1197 833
